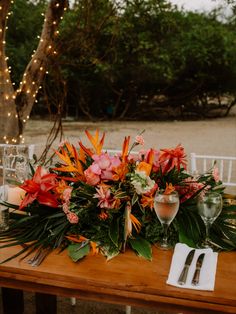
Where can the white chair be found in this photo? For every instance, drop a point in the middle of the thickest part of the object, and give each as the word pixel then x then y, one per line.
pixel 225 164
pixel 31 151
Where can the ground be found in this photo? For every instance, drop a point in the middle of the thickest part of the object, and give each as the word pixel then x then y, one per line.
pixel 213 137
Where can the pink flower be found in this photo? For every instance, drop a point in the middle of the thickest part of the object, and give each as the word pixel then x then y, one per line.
pixel 216 174
pixel 72 217
pixel 104 196
pixel 103 161
pixel 189 189
pixel 101 168
pixel 139 140
pixel 65 208
pixel 66 195
pixel 92 178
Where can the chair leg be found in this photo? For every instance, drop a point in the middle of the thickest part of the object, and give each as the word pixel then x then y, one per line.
pixel 127 309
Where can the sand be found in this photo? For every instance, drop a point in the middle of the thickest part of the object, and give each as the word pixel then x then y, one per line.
pixel 213 137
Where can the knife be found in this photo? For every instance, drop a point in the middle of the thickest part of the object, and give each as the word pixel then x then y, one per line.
pixel 196 276
pixel 183 276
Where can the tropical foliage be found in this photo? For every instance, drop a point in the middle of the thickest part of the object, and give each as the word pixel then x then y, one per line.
pixel 92 200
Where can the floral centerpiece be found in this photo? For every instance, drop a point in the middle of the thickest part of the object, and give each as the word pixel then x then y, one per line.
pixel 93 201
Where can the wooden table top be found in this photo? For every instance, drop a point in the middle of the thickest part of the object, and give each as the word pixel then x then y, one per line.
pixel 126 279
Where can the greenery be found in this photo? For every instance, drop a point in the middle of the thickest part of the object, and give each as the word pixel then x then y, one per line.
pixel 135 59
pixel 92 201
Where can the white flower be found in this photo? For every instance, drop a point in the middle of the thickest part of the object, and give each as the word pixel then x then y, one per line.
pixel 141 182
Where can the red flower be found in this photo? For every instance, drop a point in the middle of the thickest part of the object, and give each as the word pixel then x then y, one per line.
pixel 39 187
pixel 170 158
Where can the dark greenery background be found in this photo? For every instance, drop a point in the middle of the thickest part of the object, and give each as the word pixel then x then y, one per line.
pixel 142 59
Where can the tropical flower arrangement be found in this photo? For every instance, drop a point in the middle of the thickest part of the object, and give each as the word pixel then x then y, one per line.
pixel 92 201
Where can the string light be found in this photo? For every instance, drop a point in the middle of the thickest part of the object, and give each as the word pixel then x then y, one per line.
pixel 33 89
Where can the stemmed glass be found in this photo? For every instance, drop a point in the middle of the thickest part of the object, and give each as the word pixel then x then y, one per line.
pixel 209 207
pixel 166 207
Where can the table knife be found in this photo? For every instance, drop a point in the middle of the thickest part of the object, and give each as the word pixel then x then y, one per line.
pixel 196 276
pixel 183 276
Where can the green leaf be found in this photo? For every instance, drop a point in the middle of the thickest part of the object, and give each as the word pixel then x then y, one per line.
pixel 142 247
pixel 114 231
pixel 229 208
pixel 185 239
pixel 108 252
pixel 78 251
pixel 134 199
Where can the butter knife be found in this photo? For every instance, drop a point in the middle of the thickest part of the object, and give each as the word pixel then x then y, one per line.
pixel 183 276
pixel 196 276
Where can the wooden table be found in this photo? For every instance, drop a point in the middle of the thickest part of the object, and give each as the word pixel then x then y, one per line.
pixel 126 279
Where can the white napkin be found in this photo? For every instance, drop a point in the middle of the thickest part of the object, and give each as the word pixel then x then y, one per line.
pixel 208 270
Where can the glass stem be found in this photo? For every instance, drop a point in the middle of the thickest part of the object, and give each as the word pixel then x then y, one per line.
pixel 207 224
pixel 165 229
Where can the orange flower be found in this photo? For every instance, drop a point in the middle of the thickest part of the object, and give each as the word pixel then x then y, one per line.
pixel 169 188
pixel 103 215
pixel 147 201
pixel 170 158
pixel 79 239
pixel 76 238
pixel 94 247
pixel 145 167
pixel 125 149
pixel 136 223
pixel 95 141
pixel 71 161
pixel 120 172
pixel 116 203
pixel 61 187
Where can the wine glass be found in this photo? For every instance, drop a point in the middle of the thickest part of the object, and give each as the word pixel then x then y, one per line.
pixel 166 207
pixel 209 207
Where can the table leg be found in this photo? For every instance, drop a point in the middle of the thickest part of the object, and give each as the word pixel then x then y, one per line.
pixel 13 301
pixel 45 303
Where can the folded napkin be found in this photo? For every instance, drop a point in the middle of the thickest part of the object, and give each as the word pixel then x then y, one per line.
pixel 208 270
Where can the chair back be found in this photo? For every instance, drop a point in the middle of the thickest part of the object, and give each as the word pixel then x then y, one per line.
pixel 226 165
pixel 31 152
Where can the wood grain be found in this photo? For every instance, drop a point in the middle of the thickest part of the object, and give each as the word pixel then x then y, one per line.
pixel 127 279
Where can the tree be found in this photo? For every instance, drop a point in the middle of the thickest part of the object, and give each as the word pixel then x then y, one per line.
pixel 16 105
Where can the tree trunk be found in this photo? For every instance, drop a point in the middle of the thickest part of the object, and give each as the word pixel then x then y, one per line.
pixel 16 106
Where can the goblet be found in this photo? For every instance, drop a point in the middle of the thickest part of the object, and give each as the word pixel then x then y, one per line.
pixel 209 207
pixel 166 207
